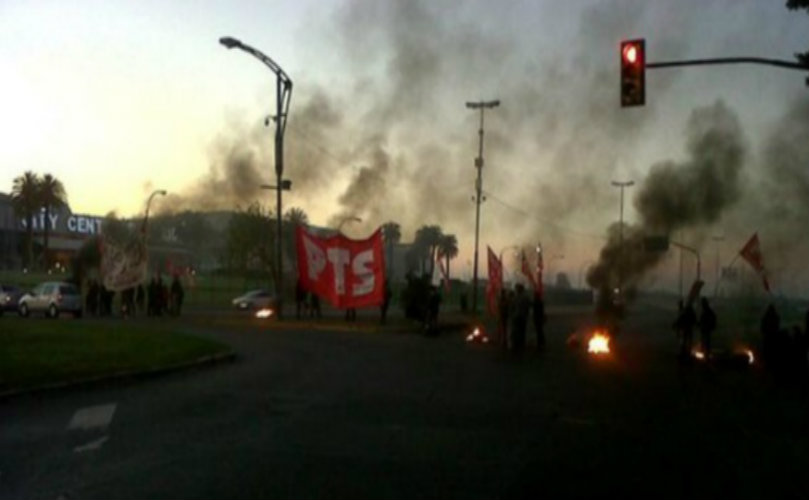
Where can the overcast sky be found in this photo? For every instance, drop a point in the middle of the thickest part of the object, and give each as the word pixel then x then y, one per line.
pixel 119 98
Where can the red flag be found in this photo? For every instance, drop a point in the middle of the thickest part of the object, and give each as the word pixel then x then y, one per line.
pixel 349 273
pixel 495 283
pixel 526 270
pixel 751 252
pixel 540 289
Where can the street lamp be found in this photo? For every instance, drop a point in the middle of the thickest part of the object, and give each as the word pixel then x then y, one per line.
pixel 161 192
pixel 482 106
pixel 350 218
pixel 718 239
pixel 282 98
pixel 621 185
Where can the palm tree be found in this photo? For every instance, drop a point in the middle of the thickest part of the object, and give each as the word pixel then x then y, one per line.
pixel 448 249
pixel 296 216
pixel 392 234
pixel 51 195
pixel 427 239
pixel 25 200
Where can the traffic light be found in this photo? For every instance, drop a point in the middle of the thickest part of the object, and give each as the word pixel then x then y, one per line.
pixel 633 73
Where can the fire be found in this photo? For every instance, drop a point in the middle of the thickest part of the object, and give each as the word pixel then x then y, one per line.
pixel 264 313
pixel 599 343
pixel 477 335
pixel 699 355
pixel 750 356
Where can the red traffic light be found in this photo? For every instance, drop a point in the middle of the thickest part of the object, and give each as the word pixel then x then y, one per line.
pixel 633 73
pixel 630 53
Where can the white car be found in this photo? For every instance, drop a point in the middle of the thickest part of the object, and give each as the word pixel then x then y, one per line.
pixel 51 298
pixel 255 299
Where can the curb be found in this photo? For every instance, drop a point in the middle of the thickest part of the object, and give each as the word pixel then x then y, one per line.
pixel 134 374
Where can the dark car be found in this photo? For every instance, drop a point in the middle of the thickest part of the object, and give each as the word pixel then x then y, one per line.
pixel 9 298
pixel 52 298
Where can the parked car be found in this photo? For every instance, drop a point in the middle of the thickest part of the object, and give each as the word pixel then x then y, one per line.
pixel 255 299
pixel 52 298
pixel 9 298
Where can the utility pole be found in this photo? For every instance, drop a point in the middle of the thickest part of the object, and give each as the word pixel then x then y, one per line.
pixel 482 106
pixel 718 239
pixel 621 185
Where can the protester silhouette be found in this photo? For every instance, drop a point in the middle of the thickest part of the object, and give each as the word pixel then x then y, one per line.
pixel 519 311
pixel 539 320
pixel 385 303
pixel 685 325
pixel 707 325
pixel 177 295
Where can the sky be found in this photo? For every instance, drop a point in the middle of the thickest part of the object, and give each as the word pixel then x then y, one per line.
pixel 119 98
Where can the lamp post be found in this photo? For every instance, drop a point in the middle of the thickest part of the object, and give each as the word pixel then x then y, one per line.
pixel 482 106
pixel 350 218
pixel 718 239
pixel 282 98
pixel 621 185
pixel 161 192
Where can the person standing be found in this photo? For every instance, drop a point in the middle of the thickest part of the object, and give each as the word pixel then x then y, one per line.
pixel 685 325
pixel 520 309
pixel 177 295
pixel 707 325
pixel 539 320
pixel 385 303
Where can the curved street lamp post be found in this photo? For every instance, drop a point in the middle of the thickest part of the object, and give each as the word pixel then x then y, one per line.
pixel 283 96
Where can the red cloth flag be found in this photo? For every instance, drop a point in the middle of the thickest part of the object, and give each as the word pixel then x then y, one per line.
pixel 495 283
pixel 348 273
pixel 526 270
pixel 751 252
pixel 539 288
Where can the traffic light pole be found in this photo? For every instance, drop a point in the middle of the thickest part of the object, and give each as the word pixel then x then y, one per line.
pixel 729 60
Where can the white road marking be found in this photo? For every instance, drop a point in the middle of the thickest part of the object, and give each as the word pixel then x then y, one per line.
pixel 92 445
pixel 92 417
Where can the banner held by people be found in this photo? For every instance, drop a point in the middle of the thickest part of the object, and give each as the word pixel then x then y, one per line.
pixel 348 273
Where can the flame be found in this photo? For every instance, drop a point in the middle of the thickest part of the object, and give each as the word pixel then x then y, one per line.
pixel 264 313
pixel 750 356
pixel 477 336
pixel 699 355
pixel 599 343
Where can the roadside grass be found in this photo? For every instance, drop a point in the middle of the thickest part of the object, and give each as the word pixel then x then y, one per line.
pixel 37 351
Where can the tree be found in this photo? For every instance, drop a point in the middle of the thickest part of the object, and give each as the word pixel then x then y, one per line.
pixel 25 200
pixel 448 249
pixel 296 216
pixel 293 218
pixel 392 234
pixel 426 242
pixel 250 240
pixel 51 196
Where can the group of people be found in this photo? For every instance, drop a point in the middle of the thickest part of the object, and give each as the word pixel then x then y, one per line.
pixel 687 321
pixel 307 304
pixel 155 299
pixel 514 309
pixel 784 350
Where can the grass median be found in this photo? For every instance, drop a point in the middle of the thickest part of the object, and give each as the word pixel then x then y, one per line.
pixel 36 352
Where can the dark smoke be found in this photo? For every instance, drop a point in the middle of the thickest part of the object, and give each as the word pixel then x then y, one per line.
pixel 676 196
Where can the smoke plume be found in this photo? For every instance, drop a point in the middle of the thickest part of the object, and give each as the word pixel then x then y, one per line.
pixel 675 196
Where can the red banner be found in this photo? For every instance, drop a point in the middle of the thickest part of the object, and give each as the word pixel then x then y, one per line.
pixel 751 252
pixel 495 283
pixel 348 273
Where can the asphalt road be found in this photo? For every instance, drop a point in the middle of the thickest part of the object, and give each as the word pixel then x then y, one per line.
pixel 313 413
